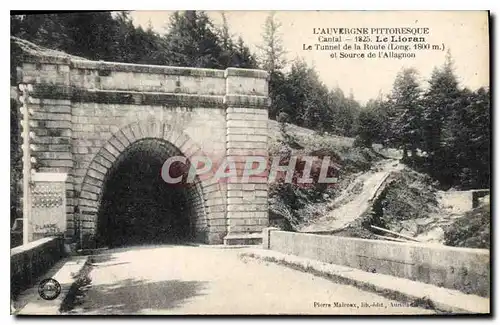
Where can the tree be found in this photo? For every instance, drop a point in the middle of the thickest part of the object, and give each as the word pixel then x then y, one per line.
pixel 234 54
pixel 125 30
pixel 406 111
pixel 368 127
pixel 273 61
pixel 342 112
pixel 147 47
pixel 311 104
pixel 93 35
pixel 307 97
pixel 47 30
pixel 228 55
pixel 349 112
pixel 273 52
pixel 225 35
pixel 438 101
pixel 192 41
pixel 312 96
pixel 371 123
pixel 467 141
pixel 136 45
pixel 244 58
pixel 308 102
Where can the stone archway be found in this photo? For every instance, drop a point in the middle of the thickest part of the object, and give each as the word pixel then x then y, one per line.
pixel 80 125
pixel 168 141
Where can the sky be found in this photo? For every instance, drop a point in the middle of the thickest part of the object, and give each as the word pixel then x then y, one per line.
pixel 464 33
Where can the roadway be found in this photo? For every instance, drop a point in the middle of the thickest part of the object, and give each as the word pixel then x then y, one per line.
pixel 215 280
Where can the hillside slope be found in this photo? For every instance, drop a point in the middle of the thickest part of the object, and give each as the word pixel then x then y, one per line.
pixel 355 200
pixel 408 203
pixel 292 205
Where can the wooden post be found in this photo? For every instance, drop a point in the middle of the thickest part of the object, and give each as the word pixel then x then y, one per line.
pixel 395 233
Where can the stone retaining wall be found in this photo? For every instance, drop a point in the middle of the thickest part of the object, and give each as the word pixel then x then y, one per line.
pixel 463 269
pixel 27 262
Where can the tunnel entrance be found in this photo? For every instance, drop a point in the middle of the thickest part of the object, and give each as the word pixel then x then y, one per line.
pixel 138 206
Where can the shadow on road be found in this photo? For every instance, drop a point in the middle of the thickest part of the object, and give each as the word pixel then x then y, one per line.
pixel 133 296
pixel 101 258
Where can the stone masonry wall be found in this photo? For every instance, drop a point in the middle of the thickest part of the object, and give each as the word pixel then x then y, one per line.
pixel 247 118
pixel 458 268
pixel 85 113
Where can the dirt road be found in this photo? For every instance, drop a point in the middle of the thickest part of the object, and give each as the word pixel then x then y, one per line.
pixel 210 280
pixel 355 200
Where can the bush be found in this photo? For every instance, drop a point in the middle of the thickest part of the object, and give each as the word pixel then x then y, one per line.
pixel 472 230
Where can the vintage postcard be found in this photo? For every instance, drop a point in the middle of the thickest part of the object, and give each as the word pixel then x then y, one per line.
pixel 250 163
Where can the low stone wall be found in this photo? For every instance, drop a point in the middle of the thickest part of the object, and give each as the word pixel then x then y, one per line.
pixel 462 201
pixel 27 262
pixel 464 269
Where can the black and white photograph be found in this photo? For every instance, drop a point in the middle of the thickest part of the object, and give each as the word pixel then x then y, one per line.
pixel 222 162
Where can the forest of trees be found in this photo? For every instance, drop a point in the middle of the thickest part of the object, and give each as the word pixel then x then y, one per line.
pixel 444 130
pixel 192 40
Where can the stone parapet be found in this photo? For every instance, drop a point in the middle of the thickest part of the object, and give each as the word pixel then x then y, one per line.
pixel 464 269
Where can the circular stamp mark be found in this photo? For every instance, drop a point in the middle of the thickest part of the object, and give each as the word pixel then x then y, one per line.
pixel 49 289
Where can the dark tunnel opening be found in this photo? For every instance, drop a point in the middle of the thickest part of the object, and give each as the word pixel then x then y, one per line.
pixel 138 206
